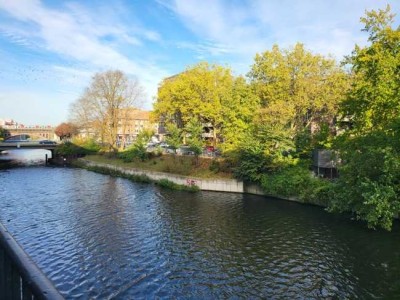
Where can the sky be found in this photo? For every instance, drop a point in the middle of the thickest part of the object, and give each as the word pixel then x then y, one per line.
pixel 50 50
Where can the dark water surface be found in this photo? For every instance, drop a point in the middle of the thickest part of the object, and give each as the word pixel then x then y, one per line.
pixel 101 237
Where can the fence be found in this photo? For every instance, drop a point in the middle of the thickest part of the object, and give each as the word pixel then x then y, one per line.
pixel 20 278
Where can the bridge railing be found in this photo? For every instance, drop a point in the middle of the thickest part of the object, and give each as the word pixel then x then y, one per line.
pixel 20 278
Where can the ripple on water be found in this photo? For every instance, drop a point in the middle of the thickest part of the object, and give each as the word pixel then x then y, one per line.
pixel 101 237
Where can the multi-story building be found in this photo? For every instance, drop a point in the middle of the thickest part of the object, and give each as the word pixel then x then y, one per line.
pixel 132 122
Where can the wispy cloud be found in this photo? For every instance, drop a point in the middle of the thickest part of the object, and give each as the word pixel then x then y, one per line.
pixel 203 48
pixel 247 27
pixel 77 33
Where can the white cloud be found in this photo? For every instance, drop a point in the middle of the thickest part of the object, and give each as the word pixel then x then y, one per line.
pixel 79 34
pixel 203 48
pixel 248 27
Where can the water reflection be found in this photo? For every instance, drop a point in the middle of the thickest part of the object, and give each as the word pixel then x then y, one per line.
pixel 101 237
pixel 27 157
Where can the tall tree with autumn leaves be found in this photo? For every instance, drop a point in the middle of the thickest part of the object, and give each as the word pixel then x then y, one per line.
pixel 298 90
pixel 210 94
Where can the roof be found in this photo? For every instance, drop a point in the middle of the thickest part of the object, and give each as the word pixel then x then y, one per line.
pixel 136 114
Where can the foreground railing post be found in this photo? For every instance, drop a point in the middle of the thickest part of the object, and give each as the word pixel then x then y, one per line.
pixel 20 278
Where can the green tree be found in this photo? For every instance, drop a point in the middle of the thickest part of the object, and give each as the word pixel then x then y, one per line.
pixel 374 100
pixel 195 141
pixel 138 149
pixel 174 137
pixel 2 133
pixel 238 114
pixel 369 183
pixel 298 90
pixel 204 92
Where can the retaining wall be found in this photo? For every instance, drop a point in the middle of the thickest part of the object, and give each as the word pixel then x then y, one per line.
pixel 219 185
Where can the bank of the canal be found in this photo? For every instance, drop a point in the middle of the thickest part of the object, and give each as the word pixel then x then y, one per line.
pixel 203 184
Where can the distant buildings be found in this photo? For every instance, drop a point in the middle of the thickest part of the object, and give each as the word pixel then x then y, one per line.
pixel 132 121
pixel 36 132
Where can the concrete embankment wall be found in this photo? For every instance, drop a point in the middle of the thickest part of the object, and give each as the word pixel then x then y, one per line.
pixel 217 185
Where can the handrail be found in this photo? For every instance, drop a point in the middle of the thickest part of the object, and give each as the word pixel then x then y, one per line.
pixel 30 274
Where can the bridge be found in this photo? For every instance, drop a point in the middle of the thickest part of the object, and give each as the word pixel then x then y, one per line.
pixel 27 145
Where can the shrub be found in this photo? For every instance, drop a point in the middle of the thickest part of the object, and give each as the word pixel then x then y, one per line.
pixel 297 181
pixel 214 166
pixel 135 152
pixel 178 187
pixel 116 173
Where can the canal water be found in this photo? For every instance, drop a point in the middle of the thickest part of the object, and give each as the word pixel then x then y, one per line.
pixel 101 237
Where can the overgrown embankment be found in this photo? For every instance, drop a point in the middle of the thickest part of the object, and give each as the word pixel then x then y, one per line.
pixel 142 178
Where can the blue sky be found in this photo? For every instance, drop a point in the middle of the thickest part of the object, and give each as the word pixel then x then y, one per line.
pixel 49 50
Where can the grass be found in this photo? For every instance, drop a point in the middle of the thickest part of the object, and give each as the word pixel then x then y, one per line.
pixel 181 165
pixel 165 183
pixel 178 187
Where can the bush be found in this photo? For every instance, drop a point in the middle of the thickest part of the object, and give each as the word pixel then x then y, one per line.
pixel 78 147
pixel 178 187
pixel 214 166
pixel 299 182
pixel 369 182
pixel 177 165
pixel 135 152
pixel 116 173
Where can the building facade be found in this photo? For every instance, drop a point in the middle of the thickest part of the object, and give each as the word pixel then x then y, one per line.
pixel 36 132
pixel 133 121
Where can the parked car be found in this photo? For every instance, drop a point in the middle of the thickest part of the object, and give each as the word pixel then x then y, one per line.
pixel 169 150
pixel 164 145
pixel 184 150
pixel 47 142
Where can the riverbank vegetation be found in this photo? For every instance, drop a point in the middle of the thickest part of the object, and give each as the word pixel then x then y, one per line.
pixel 165 183
pixel 181 165
pixel 292 101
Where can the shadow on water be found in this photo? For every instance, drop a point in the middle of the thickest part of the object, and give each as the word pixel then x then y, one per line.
pixel 23 158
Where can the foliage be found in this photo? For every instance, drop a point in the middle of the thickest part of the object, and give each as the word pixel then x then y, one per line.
pixel 101 108
pixel 299 182
pixel 298 90
pixel 65 130
pixel 89 144
pixel 178 187
pixel 215 166
pixel 251 162
pixel 194 129
pixel 2 133
pixel 197 92
pixel 136 151
pixel 174 137
pixel 78 148
pixel 305 142
pixel 373 102
pixel 238 114
pixel 369 183
pixel 138 148
pixel 142 178
pixel 210 94
pixel 264 149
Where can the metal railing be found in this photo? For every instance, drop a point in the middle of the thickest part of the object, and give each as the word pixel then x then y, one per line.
pixel 20 278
